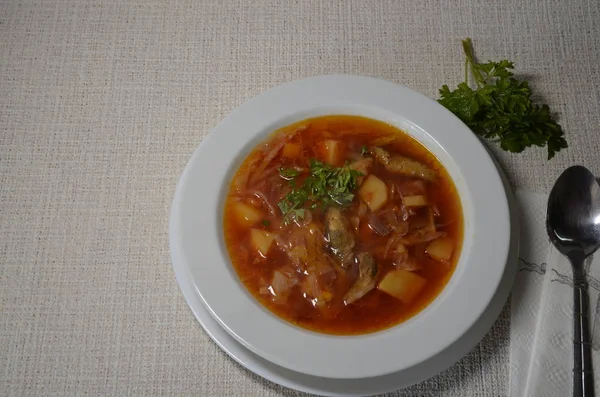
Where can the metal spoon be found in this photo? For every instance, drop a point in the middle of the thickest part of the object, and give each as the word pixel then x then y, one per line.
pixel 573 224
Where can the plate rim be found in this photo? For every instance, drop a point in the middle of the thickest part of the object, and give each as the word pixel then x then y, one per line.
pixel 268 348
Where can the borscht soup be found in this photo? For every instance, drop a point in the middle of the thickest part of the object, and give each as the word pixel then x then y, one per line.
pixel 343 225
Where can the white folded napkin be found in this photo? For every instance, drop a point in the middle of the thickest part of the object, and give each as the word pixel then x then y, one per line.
pixel 541 342
pixel 527 290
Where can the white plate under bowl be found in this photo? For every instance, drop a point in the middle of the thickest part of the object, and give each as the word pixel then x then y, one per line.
pixel 353 387
pixel 196 234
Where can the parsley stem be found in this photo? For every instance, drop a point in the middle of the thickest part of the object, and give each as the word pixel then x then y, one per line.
pixel 470 62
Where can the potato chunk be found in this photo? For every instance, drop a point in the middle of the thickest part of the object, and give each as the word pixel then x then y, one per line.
pixel 246 214
pixel 402 284
pixel 414 201
pixel 373 192
pixel 261 241
pixel 331 150
pixel 291 150
pixel 441 249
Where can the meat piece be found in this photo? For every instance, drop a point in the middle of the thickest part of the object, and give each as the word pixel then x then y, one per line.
pixel 405 166
pixel 367 271
pixel 339 235
pixel 380 155
pixel 363 166
pixel 402 165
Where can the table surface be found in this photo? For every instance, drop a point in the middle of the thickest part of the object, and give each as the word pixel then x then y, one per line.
pixel 103 102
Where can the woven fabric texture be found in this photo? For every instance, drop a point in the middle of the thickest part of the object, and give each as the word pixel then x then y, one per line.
pixel 103 102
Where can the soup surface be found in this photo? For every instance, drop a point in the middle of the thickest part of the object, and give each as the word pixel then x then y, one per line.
pixel 343 225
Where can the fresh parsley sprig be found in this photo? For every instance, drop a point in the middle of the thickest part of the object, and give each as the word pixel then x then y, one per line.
pixel 323 187
pixel 500 107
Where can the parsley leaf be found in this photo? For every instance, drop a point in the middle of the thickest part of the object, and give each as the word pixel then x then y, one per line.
pixel 500 107
pixel 323 187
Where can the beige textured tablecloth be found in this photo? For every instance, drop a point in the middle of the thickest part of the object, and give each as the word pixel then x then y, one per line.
pixel 102 103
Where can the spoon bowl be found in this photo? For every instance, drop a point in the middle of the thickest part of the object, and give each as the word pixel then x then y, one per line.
pixel 573 225
pixel 573 220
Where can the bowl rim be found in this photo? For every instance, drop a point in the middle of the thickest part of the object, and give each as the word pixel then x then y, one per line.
pixel 196 228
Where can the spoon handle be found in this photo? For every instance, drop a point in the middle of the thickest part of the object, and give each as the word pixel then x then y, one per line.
pixel 583 375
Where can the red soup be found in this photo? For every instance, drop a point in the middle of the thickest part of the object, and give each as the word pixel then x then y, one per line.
pixel 343 225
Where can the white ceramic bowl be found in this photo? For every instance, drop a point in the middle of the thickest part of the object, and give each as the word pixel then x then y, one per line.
pixel 197 237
